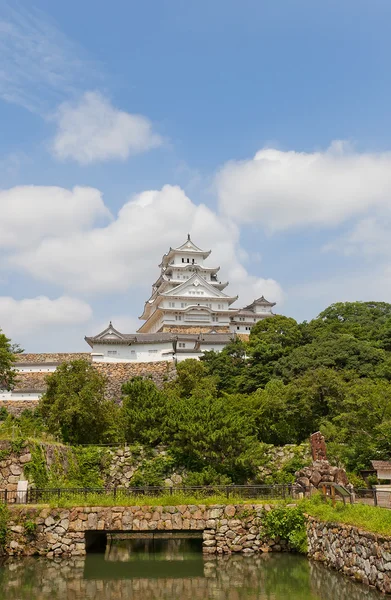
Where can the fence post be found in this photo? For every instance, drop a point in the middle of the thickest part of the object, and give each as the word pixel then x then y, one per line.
pixel 115 492
pixel 170 490
pixel 375 496
pixel 227 491
pixel 5 496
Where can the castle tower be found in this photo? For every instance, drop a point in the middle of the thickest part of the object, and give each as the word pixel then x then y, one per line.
pixel 187 297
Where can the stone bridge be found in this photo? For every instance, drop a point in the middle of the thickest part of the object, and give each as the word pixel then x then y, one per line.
pixel 56 531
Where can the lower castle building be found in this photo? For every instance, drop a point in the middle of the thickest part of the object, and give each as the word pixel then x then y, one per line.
pixel 187 314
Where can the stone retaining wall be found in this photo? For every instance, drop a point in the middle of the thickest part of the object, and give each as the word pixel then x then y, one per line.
pixel 116 373
pixel 366 557
pixel 16 407
pixel 119 373
pixel 56 357
pixel 13 461
pixel 31 381
pixel 58 532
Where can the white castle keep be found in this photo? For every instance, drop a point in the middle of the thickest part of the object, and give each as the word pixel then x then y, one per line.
pixel 187 314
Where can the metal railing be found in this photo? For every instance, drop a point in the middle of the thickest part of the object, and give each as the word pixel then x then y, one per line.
pixel 47 496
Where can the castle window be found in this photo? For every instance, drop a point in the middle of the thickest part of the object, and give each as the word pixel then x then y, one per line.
pixel 182 345
pixel 188 260
pixel 112 352
pixel 183 260
pixel 152 351
pixel 171 304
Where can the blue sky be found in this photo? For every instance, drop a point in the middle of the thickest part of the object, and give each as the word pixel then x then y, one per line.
pixel 262 127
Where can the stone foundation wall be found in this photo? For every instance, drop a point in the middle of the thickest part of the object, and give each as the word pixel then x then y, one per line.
pixel 366 557
pixel 116 374
pixel 57 357
pixel 119 373
pixel 61 532
pixel 13 461
pixel 16 407
pixel 31 381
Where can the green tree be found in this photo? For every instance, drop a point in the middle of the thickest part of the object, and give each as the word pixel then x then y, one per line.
pixel 335 351
pixel 228 366
pixel 7 361
pixel 269 406
pixel 270 340
pixel 74 405
pixel 144 412
pixel 359 430
pixel 189 374
pixel 362 320
pixel 209 430
pixel 289 413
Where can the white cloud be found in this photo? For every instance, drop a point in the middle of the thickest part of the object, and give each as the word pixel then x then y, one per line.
pixel 19 317
pixel 94 130
pixel 39 65
pixel 126 252
pixel 279 190
pixel 31 213
pixel 369 237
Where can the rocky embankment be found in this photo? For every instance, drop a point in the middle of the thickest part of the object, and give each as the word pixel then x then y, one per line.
pixel 366 557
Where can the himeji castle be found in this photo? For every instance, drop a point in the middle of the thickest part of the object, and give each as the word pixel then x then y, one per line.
pixel 189 312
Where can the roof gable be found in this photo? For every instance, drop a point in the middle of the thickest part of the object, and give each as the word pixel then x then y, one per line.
pixel 189 245
pixel 197 284
pixel 110 333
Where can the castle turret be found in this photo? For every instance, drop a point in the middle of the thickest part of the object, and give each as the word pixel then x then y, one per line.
pixel 188 296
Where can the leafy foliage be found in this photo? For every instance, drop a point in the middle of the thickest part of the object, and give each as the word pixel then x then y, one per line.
pixel 36 470
pixel 4 527
pixel 153 472
pixel 143 412
pixel 74 405
pixel 289 380
pixel 7 360
pixel 288 524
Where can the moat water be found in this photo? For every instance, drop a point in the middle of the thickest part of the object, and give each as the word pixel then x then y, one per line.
pixel 174 570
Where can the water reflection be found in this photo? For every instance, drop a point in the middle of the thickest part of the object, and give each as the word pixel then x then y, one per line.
pixel 175 572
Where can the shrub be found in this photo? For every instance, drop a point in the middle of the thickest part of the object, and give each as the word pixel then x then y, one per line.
pixel 288 524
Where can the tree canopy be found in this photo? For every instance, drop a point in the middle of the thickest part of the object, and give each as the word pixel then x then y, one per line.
pixel 289 380
pixel 7 360
pixel 74 405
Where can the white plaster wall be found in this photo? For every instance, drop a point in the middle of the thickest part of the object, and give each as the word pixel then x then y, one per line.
pixel 141 352
pixel 20 396
pixel 35 368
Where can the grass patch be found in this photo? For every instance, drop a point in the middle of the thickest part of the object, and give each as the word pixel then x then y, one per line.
pixel 370 518
pixel 175 499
